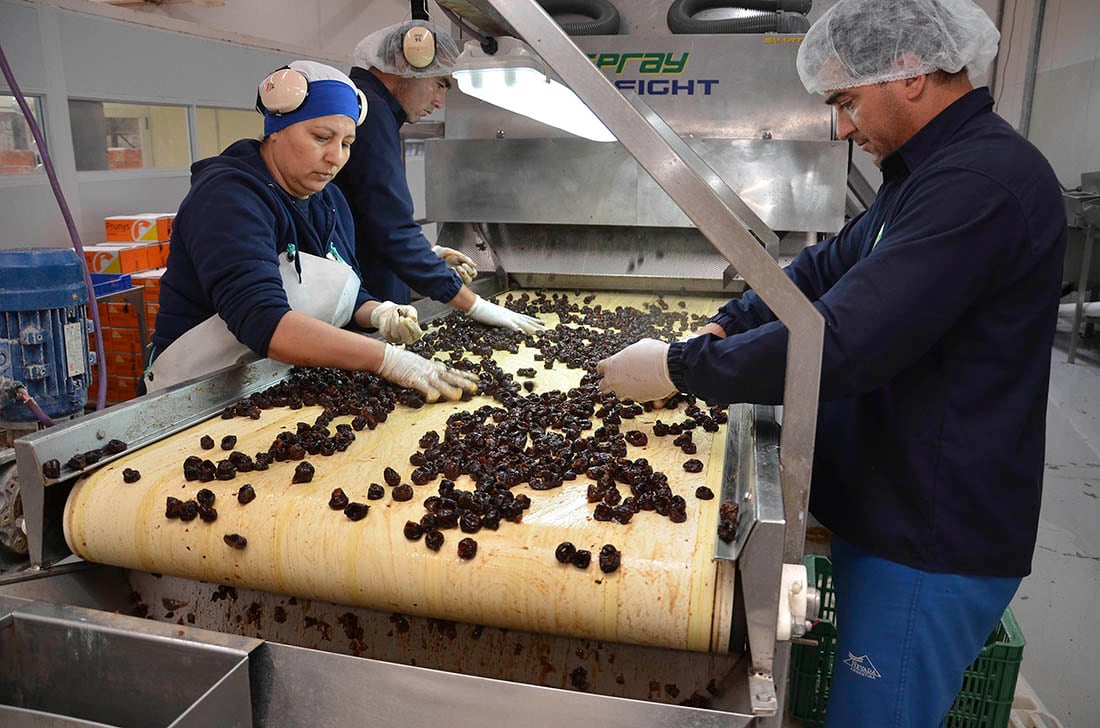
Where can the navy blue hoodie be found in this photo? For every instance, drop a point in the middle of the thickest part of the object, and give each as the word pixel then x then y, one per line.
pixel 939 304
pixel 225 244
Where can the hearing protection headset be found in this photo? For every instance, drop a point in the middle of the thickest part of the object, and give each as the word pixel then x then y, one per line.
pixel 285 90
pixel 418 46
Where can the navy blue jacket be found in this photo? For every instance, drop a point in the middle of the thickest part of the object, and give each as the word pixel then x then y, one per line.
pixel 930 437
pixel 225 241
pixel 392 250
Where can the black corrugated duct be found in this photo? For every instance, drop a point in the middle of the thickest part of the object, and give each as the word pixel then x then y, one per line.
pixel 605 16
pixel 776 16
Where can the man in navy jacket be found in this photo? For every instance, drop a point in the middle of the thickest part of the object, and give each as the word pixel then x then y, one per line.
pixel 939 305
pixel 392 250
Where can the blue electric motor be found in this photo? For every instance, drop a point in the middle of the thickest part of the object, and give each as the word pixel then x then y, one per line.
pixel 43 332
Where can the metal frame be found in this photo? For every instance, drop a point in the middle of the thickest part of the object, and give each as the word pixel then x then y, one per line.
pixel 734 230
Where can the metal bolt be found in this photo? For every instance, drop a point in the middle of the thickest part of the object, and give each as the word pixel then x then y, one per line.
pixel 747 497
pixel 765 134
pixel 500 133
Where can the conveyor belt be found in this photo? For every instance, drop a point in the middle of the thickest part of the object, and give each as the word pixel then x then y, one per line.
pixel 665 593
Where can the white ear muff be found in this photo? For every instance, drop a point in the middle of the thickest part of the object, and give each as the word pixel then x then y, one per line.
pixel 283 91
pixel 419 47
pixel 362 106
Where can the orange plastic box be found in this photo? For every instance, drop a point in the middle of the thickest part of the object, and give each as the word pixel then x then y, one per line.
pixel 141 228
pixel 117 257
pixel 150 281
pixel 121 341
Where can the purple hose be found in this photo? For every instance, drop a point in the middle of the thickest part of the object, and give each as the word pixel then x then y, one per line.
pixel 36 410
pixel 101 359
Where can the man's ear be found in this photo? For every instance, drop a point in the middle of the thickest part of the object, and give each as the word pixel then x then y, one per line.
pixel 914 87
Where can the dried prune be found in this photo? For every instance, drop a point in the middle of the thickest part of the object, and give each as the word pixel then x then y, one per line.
pixel 229 442
pixel 689 448
pixel 727 531
pixel 356 511
pixel 704 493
pixel 391 476
pixel 303 473
pixel 338 501
pixel 564 552
pixel 434 540
pixel 413 530
pixel 467 548
pixel 208 513
pixel 375 492
pixel 51 469
pixel 470 523
pixel 637 438
pixel 403 492
pixel 246 494
pixel 728 511
pixel 581 559
pixel 172 507
pixel 693 466
pixel 129 475
pixel 610 558
pixel 114 447
pixel 205 497
pixel 235 540
pixel 189 511
pixel 206 442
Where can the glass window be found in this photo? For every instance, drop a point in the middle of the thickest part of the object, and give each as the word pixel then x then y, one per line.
pixel 218 128
pixel 18 152
pixel 128 136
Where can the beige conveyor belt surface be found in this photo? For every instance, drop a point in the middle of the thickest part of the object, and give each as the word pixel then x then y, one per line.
pixel 669 591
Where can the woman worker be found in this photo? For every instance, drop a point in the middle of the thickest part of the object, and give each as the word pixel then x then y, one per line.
pixel 262 261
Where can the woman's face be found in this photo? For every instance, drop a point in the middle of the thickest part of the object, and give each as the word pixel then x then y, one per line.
pixel 304 157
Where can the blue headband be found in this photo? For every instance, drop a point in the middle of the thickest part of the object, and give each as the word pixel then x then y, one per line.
pixel 326 98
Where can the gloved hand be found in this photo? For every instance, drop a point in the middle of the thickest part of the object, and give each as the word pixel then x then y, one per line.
pixel 398 324
pixel 460 263
pixel 638 372
pixel 431 378
pixel 491 314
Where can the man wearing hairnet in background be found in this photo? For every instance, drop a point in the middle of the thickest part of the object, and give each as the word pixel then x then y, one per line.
pixel 939 304
pixel 393 253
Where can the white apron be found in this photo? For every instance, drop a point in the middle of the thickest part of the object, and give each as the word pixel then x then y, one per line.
pixel 326 291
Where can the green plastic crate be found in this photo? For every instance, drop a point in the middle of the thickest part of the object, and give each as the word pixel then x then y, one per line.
pixel 985 700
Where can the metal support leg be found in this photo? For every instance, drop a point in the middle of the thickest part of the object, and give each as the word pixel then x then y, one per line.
pixel 1082 289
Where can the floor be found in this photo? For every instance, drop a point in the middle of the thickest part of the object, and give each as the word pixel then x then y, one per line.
pixel 1055 606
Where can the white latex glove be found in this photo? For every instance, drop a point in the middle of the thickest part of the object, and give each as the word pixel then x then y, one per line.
pixel 431 378
pixel 460 263
pixel 638 372
pixel 398 324
pixel 491 314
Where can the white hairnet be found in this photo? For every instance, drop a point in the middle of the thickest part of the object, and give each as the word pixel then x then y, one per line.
pixel 383 49
pixel 860 42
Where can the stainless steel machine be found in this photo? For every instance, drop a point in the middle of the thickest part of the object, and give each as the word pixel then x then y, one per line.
pixel 722 164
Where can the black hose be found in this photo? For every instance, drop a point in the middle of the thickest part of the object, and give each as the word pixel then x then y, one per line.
pixel 769 20
pixel 605 16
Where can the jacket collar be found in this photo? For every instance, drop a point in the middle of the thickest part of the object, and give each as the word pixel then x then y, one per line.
pixel 367 81
pixel 934 135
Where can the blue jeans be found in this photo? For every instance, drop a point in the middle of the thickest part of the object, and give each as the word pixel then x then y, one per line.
pixel 904 638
